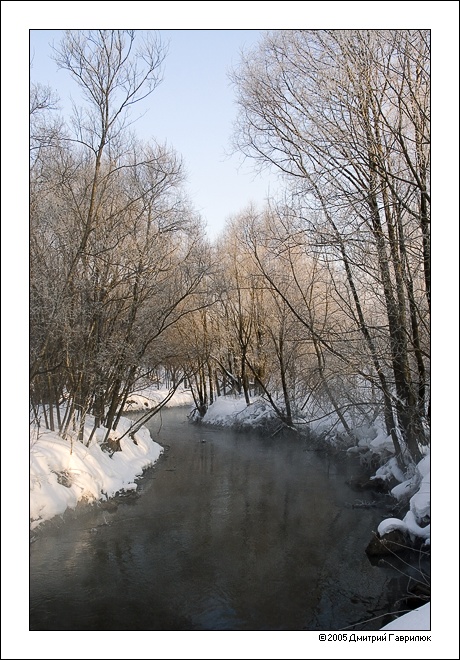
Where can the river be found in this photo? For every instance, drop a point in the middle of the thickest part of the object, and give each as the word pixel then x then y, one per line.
pixel 228 531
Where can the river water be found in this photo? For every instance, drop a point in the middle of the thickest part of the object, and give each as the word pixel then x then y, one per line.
pixel 228 531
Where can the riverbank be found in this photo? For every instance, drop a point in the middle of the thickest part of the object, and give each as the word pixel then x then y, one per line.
pixel 66 472
pixel 412 491
pixel 60 478
pixel 62 473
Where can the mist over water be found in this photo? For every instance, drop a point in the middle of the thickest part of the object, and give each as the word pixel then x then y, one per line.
pixel 228 531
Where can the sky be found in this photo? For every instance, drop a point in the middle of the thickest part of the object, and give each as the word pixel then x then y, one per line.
pixel 192 110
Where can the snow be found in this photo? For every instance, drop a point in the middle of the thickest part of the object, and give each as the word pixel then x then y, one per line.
pixel 152 396
pixel 64 473
pixel 418 619
pixel 89 473
pixel 382 441
pixel 390 469
pixel 224 410
pixel 59 479
pixel 419 488
pixel 235 412
pixel 389 525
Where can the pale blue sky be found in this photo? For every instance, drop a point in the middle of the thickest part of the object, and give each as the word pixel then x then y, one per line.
pixel 193 109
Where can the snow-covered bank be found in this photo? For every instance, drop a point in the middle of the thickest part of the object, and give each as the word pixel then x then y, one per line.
pixel 152 396
pixel 419 619
pixel 414 492
pixel 62 473
pixel 60 478
pixel 415 522
pixel 233 411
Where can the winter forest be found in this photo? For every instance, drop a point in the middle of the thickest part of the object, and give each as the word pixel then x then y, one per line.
pixel 319 303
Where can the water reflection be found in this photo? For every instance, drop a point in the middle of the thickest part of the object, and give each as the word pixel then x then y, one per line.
pixel 230 532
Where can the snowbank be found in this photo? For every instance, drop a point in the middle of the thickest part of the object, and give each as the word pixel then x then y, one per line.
pixel 233 411
pixel 418 619
pixel 60 478
pixel 152 396
pixel 64 473
pixel 418 488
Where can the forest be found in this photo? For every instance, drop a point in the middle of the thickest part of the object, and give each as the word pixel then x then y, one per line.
pixel 319 303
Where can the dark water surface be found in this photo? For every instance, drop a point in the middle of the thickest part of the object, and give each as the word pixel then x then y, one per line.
pixel 228 531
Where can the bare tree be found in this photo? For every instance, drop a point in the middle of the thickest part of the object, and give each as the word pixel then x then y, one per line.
pixel 344 115
pixel 117 251
pixel 113 76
